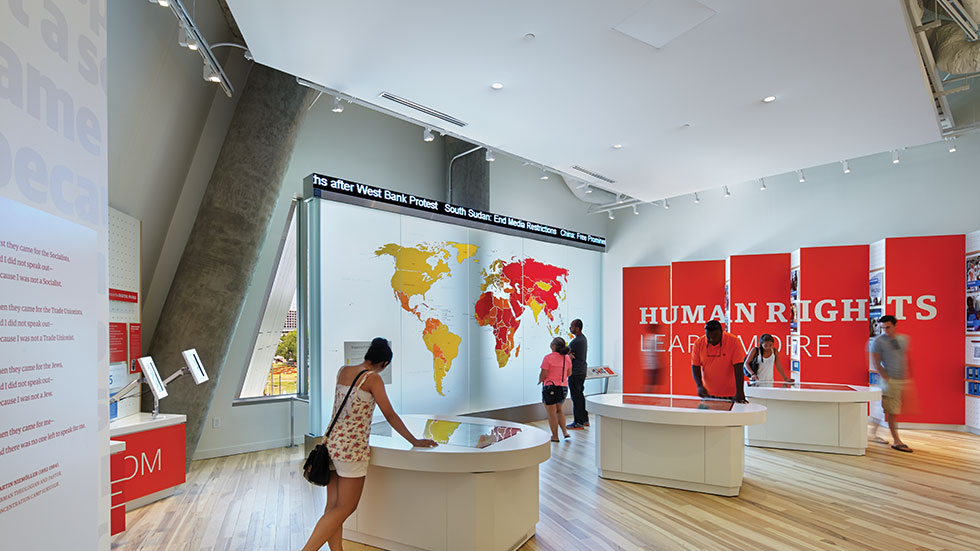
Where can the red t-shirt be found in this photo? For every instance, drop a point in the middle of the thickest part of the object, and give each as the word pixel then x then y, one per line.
pixel 556 369
pixel 717 371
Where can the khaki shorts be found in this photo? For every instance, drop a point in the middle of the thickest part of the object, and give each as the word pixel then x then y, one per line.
pixel 891 396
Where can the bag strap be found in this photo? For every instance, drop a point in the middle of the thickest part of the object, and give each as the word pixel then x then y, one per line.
pixel 344 403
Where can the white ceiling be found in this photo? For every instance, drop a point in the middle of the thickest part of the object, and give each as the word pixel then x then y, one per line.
pixel 846 75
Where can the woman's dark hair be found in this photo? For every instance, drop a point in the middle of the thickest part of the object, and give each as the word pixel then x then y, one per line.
pixel 763 339
pixel 379 352
pixel 560 346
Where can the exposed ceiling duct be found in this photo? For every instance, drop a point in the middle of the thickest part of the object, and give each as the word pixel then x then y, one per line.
pixel 954 42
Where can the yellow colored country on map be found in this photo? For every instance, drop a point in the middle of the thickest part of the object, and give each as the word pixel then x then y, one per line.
pixel 463 250
pixel 414 274
pixel 444 346
pixel 440 431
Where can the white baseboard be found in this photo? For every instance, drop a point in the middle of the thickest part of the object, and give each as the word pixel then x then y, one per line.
pixel 244 448
pixel 927 426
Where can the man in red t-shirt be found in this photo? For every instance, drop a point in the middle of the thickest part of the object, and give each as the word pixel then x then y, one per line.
pixel 716 364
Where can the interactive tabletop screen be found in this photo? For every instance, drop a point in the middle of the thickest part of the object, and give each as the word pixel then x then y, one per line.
pixel 470 435
pixel 802 386
pixel 672 402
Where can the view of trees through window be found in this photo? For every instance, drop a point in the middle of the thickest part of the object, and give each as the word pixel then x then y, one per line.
pixel 283 377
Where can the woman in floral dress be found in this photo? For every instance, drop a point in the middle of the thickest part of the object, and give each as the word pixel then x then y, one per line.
pixel 348 442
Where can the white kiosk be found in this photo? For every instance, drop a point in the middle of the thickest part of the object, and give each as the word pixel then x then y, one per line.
pixel 680 442
pixel 818 417
pixel 478 490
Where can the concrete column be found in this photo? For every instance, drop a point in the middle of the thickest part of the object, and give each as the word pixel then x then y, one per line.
pixel 216 268
pixel 468 182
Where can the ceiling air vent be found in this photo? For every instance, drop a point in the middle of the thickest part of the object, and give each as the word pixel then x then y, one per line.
pixel 595 175
pixel 421 108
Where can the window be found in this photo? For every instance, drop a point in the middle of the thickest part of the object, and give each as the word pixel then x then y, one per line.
pixel 272 367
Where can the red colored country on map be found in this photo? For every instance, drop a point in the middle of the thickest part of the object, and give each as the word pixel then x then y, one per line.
pixel 529 280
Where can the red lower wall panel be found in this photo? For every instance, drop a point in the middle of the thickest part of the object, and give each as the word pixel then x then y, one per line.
pixel 644 289
pixel 759 300
pixel 834 338
pixel 924 287
pixel 694 285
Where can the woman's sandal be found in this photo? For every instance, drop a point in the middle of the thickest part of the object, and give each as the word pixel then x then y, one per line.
pixel 555 440
pixel 902 448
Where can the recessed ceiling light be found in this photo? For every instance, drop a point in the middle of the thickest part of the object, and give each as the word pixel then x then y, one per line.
pixel 496 86
pixel 617 146
pixel 529 36
pixel 686 125
pixel 768 99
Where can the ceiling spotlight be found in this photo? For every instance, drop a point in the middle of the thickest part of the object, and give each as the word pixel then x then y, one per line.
pixel 210 74
pixel 636 212
pixel 666 204
pixel 544 174
pixel 338 107
pixel 611 217
pixel 490 157
pixel 620 199
pixel 801 176
pixel 952 144
pixel 846 165
pixel 164 3
pixel 427 135
pixel 192 44
pixel 496 86
pixel 895 158
pixel 768 99
pixel 727 192
pixel 588 188
pixel 182 34
pixel 762 181
pixel 617 146
pixel 696 198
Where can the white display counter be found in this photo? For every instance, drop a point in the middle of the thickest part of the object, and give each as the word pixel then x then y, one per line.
pixel 815 417
pixel 673 441
pixel 455 496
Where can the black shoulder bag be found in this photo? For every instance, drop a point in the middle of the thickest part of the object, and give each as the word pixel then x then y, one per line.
pixel 316 470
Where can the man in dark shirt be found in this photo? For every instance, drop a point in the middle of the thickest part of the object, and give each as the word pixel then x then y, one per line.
pixel 579 350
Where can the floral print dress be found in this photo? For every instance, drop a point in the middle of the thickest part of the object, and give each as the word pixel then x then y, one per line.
pixel 348 442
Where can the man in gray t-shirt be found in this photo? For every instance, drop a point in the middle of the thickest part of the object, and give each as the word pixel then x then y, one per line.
pixel 579 350
pixel 889 357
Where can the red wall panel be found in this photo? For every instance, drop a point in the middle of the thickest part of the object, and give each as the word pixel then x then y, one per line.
pixel 693 284
pixel 643 288
pixel 916 270
pixel 758 281
pixel 154 460
pixel 834 350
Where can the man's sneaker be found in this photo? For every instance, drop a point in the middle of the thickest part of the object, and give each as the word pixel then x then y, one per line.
pixel 586 424
pixel 575 426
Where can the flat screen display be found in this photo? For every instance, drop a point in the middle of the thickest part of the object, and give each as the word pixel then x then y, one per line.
pixel 152 377
pixel 679 403
pixel 802 386
pixel 456 433
pixel 194 365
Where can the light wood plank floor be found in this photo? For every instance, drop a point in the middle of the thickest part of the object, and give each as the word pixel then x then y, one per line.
pixel 927 500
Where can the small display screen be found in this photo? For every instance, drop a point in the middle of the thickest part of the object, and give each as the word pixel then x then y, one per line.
pixel 455 433
pixel 802 386
pixel 680 403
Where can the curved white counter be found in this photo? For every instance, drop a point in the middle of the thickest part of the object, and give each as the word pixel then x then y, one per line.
pixel 454 496
pixel 821 417
pixel 673 441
